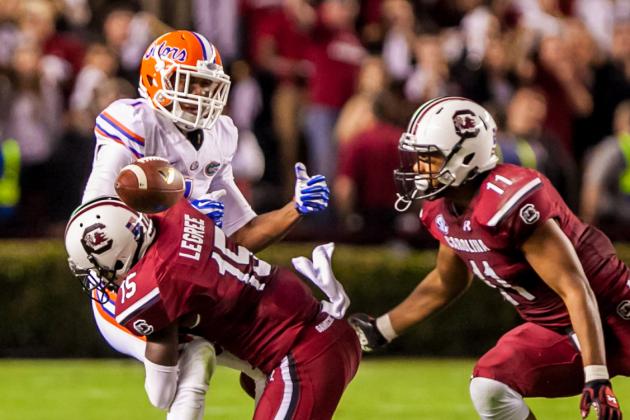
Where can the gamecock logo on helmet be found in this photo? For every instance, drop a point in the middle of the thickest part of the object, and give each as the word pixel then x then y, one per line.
pixel 95 240
pixel 143 327
pixel 465 122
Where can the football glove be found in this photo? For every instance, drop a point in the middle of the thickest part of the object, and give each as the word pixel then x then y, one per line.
pixel 311 192
pixel 210 205
pixel 599 394
pixel 369 335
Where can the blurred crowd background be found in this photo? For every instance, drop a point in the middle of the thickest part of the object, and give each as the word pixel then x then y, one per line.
pixel 331 83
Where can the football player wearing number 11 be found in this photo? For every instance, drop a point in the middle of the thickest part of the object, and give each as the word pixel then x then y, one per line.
pixel 508 226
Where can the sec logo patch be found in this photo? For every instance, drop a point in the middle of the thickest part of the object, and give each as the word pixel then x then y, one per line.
pixel 529 214
pixel 441 224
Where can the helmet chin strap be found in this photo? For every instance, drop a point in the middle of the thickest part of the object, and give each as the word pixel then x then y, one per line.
pixel 402 203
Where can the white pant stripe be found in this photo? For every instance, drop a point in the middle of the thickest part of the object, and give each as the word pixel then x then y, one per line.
pixel 285 405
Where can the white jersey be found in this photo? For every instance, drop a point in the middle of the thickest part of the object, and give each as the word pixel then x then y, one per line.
pixel 129 129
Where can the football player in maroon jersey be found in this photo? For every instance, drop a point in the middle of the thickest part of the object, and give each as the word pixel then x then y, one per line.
pixel 509 227
pixel 177 273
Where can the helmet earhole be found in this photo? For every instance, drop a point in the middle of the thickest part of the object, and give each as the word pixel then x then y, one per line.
pixel 119 265
pixel 468 158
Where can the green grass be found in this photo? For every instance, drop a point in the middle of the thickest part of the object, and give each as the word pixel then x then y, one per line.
pixel 390 389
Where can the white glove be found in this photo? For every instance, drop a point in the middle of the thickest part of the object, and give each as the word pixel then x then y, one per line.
pixel 319 271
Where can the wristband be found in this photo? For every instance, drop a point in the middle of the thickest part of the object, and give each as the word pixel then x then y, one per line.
pixel 595 373
pixel 384 326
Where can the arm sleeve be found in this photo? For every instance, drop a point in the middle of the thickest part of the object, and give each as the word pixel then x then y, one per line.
pixel 237 210
pixel 160 384
pixel 109 159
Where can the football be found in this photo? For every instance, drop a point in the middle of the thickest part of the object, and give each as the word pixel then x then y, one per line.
pixel 150 185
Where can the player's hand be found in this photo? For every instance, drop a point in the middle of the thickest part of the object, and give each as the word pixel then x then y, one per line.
pixel 600 395
pixel 370 337
pixel 311 192
pixel 210 205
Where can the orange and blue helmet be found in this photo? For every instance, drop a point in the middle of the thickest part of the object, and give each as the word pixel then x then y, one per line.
pixel 182 77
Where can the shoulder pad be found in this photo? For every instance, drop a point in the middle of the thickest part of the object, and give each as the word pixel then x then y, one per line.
pixel 227 135
pixel 122 122
pixel 502 190
pixel 139 306
pixel 429 211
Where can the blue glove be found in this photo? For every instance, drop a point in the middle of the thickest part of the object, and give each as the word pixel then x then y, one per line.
pixel 210 205
pixel 311 192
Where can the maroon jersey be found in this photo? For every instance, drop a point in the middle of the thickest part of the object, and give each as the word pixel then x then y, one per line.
pixel 511 203
pixel 250 308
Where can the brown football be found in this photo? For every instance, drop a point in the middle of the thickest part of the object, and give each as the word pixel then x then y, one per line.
pixel 150 185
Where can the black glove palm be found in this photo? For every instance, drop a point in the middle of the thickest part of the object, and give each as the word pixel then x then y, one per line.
pixel 370 337
pixel 600 394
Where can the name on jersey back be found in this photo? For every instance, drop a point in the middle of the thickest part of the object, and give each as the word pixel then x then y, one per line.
pixel 192 238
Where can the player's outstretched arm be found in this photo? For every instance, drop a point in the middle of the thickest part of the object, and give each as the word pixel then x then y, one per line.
pixel 552 256
pixel 441 286
pixel 311 195
pixel 445 283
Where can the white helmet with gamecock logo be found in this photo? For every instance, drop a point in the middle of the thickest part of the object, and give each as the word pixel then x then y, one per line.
pixel 104 239
pixel 458 130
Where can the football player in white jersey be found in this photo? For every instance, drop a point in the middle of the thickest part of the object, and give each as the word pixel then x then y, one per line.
pixel 178 117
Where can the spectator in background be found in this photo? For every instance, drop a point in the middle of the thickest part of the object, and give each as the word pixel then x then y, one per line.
pixel 244 106
pixel 399 38
pixel 430 78
pixel 526 142
pixel 9 32
pixel 280 54
pixel 75 13
pixel 127 33
pixel 478 26
pixel 585 56
pixel 62 53
pixel 606 183
pixel 490 82
pixel 567 94
pixel 357 114
pixel 218 20
pixel 34 119
pixel 100 64
pixel 70 162
pixel 336 54
pixel 612 81
pixel 9 179
pixel 363 190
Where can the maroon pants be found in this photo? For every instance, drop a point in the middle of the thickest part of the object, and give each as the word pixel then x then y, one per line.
pixel 538 362
pixel 310 379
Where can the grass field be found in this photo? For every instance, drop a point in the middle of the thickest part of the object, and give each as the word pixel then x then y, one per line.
pixel 391 389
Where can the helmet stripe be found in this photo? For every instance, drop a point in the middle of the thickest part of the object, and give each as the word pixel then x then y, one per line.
pixel 204 47
pixel 422 111
pixel 415 114
pixel 103 201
